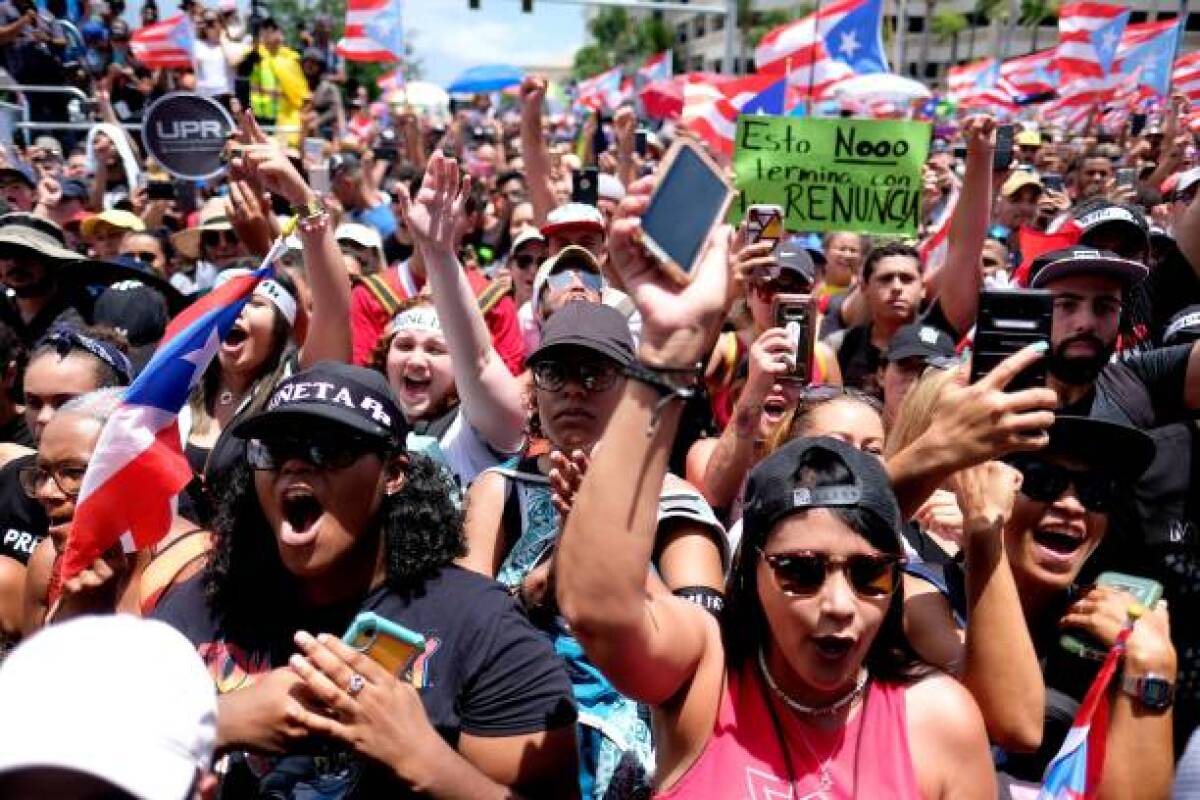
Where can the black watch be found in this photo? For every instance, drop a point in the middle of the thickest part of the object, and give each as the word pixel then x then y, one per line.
pixel 1154 692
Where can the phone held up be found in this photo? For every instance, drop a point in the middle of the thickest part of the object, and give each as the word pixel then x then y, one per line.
pixel 585 186
pixel 1009 320
pixel 795 314
pixel 764 223
pixel 690 197
pixel 389 644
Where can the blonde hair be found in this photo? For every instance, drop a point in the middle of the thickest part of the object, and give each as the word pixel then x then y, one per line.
pixel 916 412
pixel 796 421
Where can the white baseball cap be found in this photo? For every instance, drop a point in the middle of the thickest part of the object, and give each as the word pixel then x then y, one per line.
pixel 573 215
pixel 126 700
pixel 361 235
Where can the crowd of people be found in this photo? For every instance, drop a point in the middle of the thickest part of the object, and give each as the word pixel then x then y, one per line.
pixel 641 558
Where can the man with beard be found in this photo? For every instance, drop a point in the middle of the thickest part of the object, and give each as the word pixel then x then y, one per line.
pixel 32 250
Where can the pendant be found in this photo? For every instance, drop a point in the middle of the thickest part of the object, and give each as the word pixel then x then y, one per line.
pixel 225 397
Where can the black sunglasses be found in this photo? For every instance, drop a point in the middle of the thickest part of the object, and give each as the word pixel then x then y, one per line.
pixel 212 238
pixel 802 573
pixel 324 451
pixel 1045 483
pixel 594 376
pixel 525 260
pixel 144 256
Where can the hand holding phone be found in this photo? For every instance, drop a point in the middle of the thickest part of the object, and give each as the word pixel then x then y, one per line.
pixel 794 313
pixel 1010 320
pixel 387 643
pixel 1145 591
pixel 764 223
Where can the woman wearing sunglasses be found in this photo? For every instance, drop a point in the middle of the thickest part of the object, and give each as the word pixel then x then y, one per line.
pixel 1045 513
pixel 806 687
pixel 330 516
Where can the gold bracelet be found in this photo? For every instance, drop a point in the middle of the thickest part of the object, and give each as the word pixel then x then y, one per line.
pixel 313 208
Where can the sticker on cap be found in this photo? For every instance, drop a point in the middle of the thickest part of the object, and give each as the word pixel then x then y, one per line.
pixel 1110 214
pixel 928 335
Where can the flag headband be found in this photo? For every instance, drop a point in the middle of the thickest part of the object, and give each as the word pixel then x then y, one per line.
pixel 418 318
pixel 268 288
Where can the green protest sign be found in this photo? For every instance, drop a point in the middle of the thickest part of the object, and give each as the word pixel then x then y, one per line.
pixel 832 174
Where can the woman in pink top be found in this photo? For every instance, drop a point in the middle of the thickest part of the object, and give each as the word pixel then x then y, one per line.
pixel 807 688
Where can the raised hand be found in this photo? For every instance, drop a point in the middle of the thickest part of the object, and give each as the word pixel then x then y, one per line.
pixel 262 163
pixel 532 94
pixel 433 216
pixel 985 493
pixel 980 133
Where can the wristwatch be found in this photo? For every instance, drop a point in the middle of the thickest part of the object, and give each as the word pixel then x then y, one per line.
pixel 1153 692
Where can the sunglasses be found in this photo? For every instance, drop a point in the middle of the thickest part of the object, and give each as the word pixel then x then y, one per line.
pixel 213 238
pixel 1045 483
pixel 594 376
pixel 145 256
pixel 328 451
pixel 525 261
pixel 558 281
pixel 802 573
pixel 69 480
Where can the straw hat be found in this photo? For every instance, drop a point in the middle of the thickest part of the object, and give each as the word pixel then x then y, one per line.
pixel 212 218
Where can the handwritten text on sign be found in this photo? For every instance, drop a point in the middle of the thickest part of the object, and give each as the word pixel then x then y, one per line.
pixel 832 174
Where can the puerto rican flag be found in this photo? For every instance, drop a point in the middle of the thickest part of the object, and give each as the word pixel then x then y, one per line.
pixel 1074 774
pixel 138 468
pixel 374 31
pixel 1032 75
pixel 655 68
pixel 840 40
pixel 1185 76
pixel 936 245
pixel 979 85
pixel 1146 51
pixel 1088 37
pixel 710 110
pixel 601 91
pixel 392 79
pixel 165 45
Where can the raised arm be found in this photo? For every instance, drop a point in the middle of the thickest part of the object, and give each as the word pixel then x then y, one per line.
pixel 648 643
pixel 264 163
pixel 959 278
pixel 491 395
pixel 533 149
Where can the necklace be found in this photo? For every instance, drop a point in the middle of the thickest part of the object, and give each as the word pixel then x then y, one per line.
pixel 814 711
pixel 225 398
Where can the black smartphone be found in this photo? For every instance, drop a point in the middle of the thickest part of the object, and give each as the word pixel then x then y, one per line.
pixel 639 143
pixel 794 313
pixel 1003 156
pixel 585 186
pixel 1053 181
pixel 690 197
pixel 1009 320
pixel 160 190
pixel 600 138
pixel 1137 123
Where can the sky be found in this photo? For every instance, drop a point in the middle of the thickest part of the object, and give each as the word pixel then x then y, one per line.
pixel 448 36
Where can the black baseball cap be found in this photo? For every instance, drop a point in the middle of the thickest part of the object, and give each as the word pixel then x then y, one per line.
pixel 1127 220
pixel 1184 326
pixel 795 258
pixel 772 494
pixel 342 162
pixel 1121 451
pixel 1079 260
pixel 353 397
pixel 930 343
pixel 593 326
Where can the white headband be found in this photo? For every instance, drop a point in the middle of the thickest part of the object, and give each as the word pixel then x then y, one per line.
pixel 422 318
pixel 268 288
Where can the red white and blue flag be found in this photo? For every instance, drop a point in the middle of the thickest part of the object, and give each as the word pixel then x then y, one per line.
pixel 711 110
pixel 1185 76
pixel 165 45
pixel 1074 774
pixel 391 80
pixel 601 91
pixel 838 41
pixel 1088 37
pixel 1146 51
pixel 374 31
pixel 138 468
pixel 1031 76
pixel 655 68
pixel 979 85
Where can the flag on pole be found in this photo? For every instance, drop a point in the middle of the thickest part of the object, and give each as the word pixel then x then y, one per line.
pixel 655 68
pixel 839 40
pixel 601 91
pixel 374 31
pixel 710 111
pixel 1088 36
pixel 1146 51
pixel 165 45
pixel 138 467
pixel 1074 774
pixel 1185 76
pixel 979 85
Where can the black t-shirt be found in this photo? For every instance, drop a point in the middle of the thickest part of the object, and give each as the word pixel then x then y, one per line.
pixel 860 360
pixel 1144 390
pixel 23 522
pixel 68 307
pixel 486 670
pixel 17 431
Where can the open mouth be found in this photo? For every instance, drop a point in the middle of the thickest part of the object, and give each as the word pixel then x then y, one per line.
pixel 301 510
pixel 416 385
pixel 236 336
pixel 1058 542
pixel 833 647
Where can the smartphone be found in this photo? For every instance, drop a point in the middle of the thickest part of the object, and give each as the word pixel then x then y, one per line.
pixel 639 143
pixel 794 313
pixel 1126 176
pixel 689 198
pixel 1003 156
pixel 387 643
pixel 1145 590
pixel 1053 181
pixel 1137 123
pixel 585 186
pixel 160 190
pixel 318 179
pixel 764 223
pixel 1009 320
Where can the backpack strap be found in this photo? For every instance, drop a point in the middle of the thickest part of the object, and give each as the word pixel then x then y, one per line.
pixel 168 563
pixel 493 293
pixel 387 297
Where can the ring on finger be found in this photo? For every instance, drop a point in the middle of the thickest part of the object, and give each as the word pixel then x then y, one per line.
pixel 357 684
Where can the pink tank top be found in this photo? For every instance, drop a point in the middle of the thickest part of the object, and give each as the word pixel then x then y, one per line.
pixel 744 760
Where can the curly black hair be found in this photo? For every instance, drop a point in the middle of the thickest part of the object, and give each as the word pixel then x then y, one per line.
pixel 250 590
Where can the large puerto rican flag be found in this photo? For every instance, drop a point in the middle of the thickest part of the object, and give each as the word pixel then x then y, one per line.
pixel 840 40
pixel 1146 51
pixel 710 110
pixel 138 468
pixel 655 68
pixel 1074 774
pixel 165 45
pixel 1031 75
pixel 601 91
pixel 979 85
pixel 374 31
pixel 1089 34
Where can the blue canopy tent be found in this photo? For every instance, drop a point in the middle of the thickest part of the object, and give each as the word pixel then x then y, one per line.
pixel 486 78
